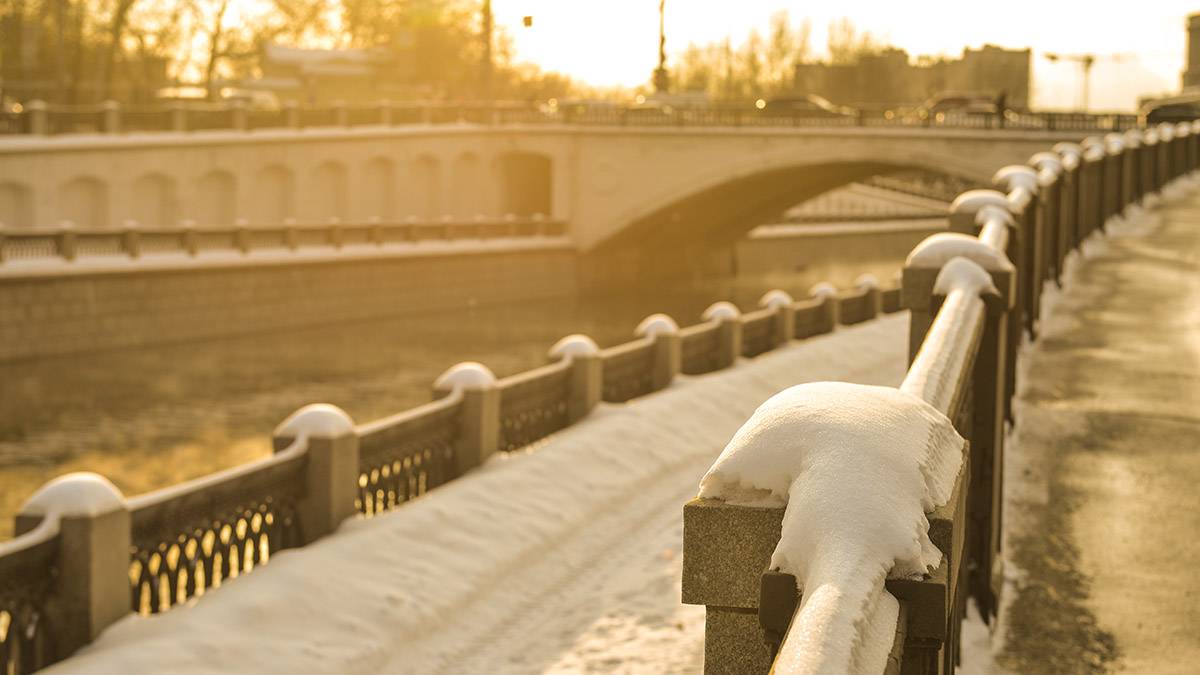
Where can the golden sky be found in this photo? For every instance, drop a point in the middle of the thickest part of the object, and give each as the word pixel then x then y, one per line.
pixel 615 42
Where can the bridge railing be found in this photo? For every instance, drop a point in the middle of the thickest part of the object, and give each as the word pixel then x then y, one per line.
pixel 971 292
pixel 67 243
pixel 40 118
pixel 85 556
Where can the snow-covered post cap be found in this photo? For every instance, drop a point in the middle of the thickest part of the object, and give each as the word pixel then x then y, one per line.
pixel 315 420
pixel 936 250
pixel 81 494
pixel 1150 136
pixel 1015 177
pixel 866 280
pixel 656 324
pixel 1114 143
pixel 1133 138
pixel 573 345
pixel 722 310
pixel 823 289
pixel 866 462
pixel 776 298
pixel 466 375
pixel 1166 131
pixel 967 208
pixel 1046 161
pixel 1094 153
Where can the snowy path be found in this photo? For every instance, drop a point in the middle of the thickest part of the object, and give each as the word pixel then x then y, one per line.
pixel 562 559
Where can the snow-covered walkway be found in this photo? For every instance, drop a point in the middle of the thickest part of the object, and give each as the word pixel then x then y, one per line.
pixel 565 558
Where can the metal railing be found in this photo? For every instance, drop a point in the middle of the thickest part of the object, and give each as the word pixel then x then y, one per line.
pixel 40 118
pixel 971 292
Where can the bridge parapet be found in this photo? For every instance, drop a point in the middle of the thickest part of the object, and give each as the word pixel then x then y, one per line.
pixel 970 293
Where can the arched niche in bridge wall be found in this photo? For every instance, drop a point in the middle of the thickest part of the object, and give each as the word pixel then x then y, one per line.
pixel 327 195
pixel 425 190
pixel 467 190
pixel 16 205
pixel 527 183
pixel 379 188
pixel 274 195
pixel 154 201
pixel 84 201
pixel 216 199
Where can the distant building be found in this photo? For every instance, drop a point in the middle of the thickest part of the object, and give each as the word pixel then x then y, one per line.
pixel 319 76
pixel 889 79
pixel 1191 76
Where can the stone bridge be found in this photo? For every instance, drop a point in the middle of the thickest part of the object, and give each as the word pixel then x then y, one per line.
pixel 656 187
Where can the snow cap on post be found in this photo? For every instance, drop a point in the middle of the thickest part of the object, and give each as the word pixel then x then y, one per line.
pixel 572 346
pixel 866 280
pixel 1166 131
pixel 776 298
pixel 1016 176
pixel 81 494
pixel 465 375
pixel 823 289
pixel 865 462
pixel 722 310
pixel 1114 143
pixel 1094 152
pixel 656 324
pixel 939 249
pixel 1183 129
pixel 964 274
pixel 967 208
pixel 1150 136
pixel 316 420
pixel 1133 138
pixel 1046 161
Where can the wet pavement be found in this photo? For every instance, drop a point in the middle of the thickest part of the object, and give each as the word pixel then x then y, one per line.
pixel 1103 531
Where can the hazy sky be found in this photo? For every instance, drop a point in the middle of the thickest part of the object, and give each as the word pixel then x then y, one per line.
pixel 615 42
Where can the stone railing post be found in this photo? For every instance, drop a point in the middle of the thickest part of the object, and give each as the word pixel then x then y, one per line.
pixel 239 115
pixel 92 585
pixel 131 239
pixel 291 115
pixel 830 308
pixel 870 284
pixel 1091 194
pixel 729 331
pixel 1149 140
pixel 1133 165
pixel 479 434
pixel 1050 209
pixel 187 237
pixel 1021 185
pixel 66 240
pixel 668 351
pixel 331 476
pixel 587 374
pixel 111 117
pixel 785 315
pixel 178 117
pixel 39 117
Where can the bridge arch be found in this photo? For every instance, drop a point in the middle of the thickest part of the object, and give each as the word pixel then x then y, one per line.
pixel 84 201
pixel 274 195
pixel 216 198
pixel 379 189
pixel 707 203
pixel 425 188
pixel 327 195
pixel 526 183
pixel 16 205
pixel 154 200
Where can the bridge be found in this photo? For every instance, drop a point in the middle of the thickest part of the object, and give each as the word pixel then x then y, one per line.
pixel 87 558
pixel 613 184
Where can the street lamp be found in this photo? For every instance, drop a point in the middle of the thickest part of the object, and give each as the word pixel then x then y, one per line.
pixel 661 80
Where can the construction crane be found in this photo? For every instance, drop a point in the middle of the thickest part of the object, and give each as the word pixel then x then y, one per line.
pixel 1085 61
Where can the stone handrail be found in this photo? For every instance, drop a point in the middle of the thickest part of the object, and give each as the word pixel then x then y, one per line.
pixel 172 545
pixel 41 118
pixel 970 292
pixel 66 243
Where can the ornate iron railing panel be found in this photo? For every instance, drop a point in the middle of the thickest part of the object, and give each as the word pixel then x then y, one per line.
pixel 700 346
pixel 190 538
pixel 758 332
pixel 404 456
pixel 628 370
pixel 533 404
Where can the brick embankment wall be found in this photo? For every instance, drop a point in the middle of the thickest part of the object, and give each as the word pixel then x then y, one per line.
pixel 81 313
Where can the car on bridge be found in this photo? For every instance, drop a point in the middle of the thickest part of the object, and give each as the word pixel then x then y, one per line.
pixel 808 106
